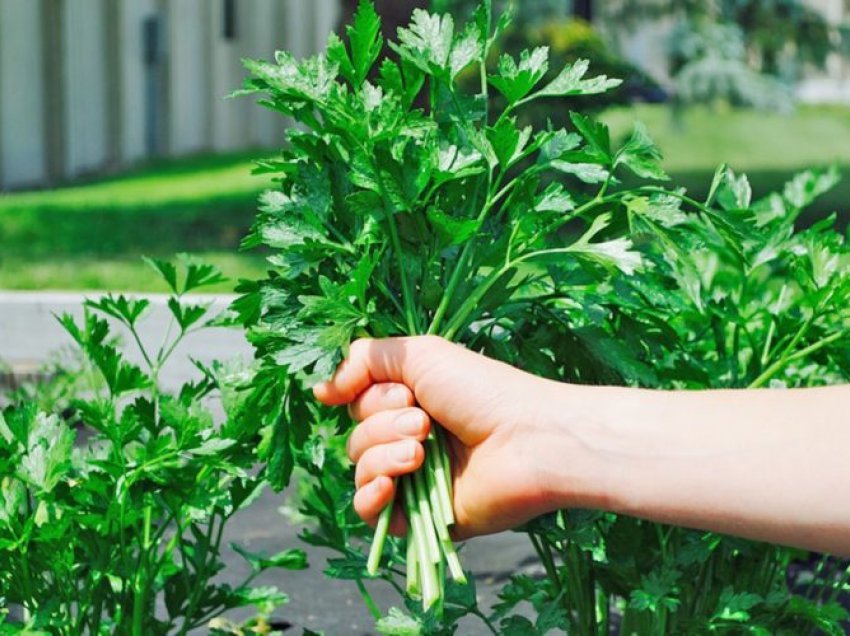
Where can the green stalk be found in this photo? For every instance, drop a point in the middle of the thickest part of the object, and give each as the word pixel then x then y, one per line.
pixel 460 266
pixel 31 603
pixel 440 434
pixel 765 354
pixel 427 571
pixel 421 493
pixel 818 570
pixel 839 587
pixel 434 490
pixel 545 554
pixel 777 366
pixel 406 291
pixel 413 588
pixel 437 471
pixel 377 547
pixel 434 497
pixel 139 597
pixel 369 601
pixel 472 303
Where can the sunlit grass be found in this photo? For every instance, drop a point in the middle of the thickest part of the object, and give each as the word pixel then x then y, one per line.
pixel 92 235
pixel 769 147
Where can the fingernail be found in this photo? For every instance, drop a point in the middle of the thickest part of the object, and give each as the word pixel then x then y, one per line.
pixel 411 423
pixel 404 452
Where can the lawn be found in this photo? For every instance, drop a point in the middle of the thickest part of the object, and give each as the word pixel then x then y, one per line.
pixel 92 236
pixel 769 147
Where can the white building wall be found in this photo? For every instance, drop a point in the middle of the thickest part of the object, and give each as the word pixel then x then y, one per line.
pixel 228 127
pixel 833 84
pixel 647 48
pixel 131 18
pixel 188 82
pixel 326 16
pixel 198 69
pixel 265 24
pixel 85 85
pixel 298 21
pixel 22 153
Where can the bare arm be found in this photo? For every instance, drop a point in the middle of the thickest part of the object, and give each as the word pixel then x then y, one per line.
pixel 769 464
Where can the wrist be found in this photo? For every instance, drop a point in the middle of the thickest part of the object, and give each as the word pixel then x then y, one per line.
pixel 587 435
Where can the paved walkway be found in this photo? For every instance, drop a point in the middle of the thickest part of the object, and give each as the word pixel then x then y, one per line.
pixel 30 334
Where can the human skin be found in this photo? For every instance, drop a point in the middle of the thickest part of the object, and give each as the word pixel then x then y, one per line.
pixel 763 464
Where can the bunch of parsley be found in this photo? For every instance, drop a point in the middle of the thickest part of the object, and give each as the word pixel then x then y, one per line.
pixel 405 206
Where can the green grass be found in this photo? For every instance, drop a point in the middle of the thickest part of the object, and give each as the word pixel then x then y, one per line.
pixel 117 274
pixel 93 235
pixel 769 147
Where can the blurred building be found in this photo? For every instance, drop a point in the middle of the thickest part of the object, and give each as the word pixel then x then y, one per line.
pixel 832 85
pixel 88 86
pixel 648 48
pixel 92 85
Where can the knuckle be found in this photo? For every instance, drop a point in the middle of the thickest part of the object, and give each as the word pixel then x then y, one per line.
pixel 397 393
pixel 359 347
pixel 362 508
pixel 359 475
pixel 412 422
pixel 363 470
pixel 432 341
pixel 350 446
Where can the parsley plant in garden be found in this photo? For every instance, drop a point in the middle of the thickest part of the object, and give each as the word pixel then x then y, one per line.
pixel 113 510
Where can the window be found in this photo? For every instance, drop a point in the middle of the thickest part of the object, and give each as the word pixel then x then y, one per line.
pixel 229 19
pixel 583 9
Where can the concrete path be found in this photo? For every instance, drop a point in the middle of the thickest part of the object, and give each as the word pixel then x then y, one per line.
pixel 30 334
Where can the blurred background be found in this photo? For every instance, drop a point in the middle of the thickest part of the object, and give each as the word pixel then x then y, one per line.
pixel 117 140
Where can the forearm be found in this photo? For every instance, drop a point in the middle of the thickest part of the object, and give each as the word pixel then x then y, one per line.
pixel 769 465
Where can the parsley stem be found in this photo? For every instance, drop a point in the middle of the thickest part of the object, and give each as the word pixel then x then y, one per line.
pixel 485 86
pixel 413 587
pixel 406 290
pixel 428 573
pixel 434 457
pixel 421 492
pixel 377 547
pixel 765 355
pixel 678 195
pixel 31 602
pixel 777 366
pixel 140 596
pixel 440 434
pixel 369 601
pixel 460 267
pixel 840 585
pixel 545 553
pixel 473 301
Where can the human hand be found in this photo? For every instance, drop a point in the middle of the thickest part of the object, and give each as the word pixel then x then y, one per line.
pixel 501 422
pixel 522 446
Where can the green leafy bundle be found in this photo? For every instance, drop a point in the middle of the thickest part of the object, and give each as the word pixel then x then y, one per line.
pixel 376 190
pixel 405 206
pixel 112 513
